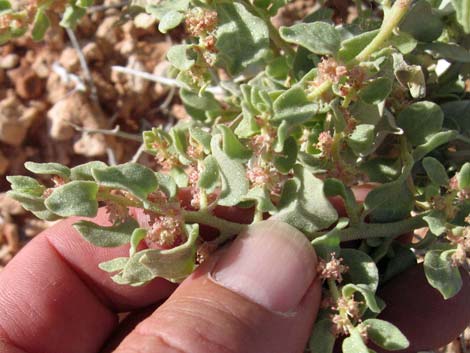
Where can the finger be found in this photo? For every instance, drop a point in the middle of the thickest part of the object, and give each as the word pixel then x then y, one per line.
pixel 54 298
pixel 260 295
pixel 420 311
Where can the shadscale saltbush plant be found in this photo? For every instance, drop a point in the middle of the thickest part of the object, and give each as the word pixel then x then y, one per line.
pixel 302 115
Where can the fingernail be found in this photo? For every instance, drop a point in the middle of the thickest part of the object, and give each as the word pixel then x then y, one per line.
pixel 272 264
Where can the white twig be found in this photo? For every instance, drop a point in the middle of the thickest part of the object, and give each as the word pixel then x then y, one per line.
pixel 83 64
pixel 67 77
pixel 138 153
pixel 111 156
pixel 114 132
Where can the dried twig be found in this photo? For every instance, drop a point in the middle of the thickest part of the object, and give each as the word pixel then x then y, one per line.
pixel 114 132
pixel 84 65
pixel 99 8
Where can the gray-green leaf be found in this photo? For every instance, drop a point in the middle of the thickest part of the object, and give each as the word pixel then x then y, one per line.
pixel 48 168
pixel 77 198
pixel 107 237
pixel 441 274
pixel 385 335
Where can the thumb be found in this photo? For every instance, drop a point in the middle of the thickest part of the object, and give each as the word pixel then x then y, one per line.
pixel 259 295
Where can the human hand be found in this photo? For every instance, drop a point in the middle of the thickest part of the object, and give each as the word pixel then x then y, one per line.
pixel 259 295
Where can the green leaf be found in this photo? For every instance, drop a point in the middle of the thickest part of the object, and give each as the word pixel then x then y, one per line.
pixel 84 171
pixel 160 9
pixel 166 184
pixel 362 139
pixel 181 56
pixel 77 198
pixel 136 237
pixel 234 182
pixel 210 175
pixel 371 302
pixel 335 187
pixel 106 237
pixel 232 146
pixel 327 244
pixel 463 176
pixel 294 107
pixel 433 141
pixel 462 8
pixel 170 20
pixel 180 177
pixel 404 42
pixel 242 37
pixel 262 197
pixel 385 335
pixel 441 274
pixel 450 52
pixel 28 202
pixel 248 125
pixel 286 161
pixel 197 105
pixel 420 120
pixel 48 168
pixel 353 46
pixel 322 339
pixel 174 264
pixel 71 16
pixel 318 37
pixel 40 25
pixel 303 203
pixel 202 137
pixel 132 177
pixel 26 185
pixel 376 91
pixel 389 202
pixel 362 269
pixel 179 141
pixel 354 343
pixel 436 171
pixel 422 22
pixel 410 76
pixel 114 265
pixel 436 221
pixel 4 6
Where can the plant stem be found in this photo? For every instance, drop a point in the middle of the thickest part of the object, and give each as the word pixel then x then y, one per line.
pixel 204 217
pixel 390 22
pixel 382 230
pixel 333 289
pixel 320 90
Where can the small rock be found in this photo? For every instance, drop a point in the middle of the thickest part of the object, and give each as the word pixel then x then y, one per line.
pixel 28 84
pixel 92 52
pixel 8 206
pixel 69 59
pixel 9 61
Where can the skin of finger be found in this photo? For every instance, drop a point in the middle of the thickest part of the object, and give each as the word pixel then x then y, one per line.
pixel 45 307
pixel 84 258
pixel 204 317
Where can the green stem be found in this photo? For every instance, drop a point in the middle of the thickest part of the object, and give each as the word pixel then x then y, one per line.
pixel 204 217
pixel 382 230
pixel 333 289
pixel 320 90
pixel 391 21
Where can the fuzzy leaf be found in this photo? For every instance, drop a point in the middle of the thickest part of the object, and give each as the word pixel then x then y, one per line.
pixel 362 269
pixel 322 339
pixel 114 265
pixel 304 205
pixel 441 274
pixel 436 221
pixel 362 139
pixel 420 120
pixel 180 177
pixel 48 168
pixel 232 145
pixel 318 37
pixel 376 91
pixel 432 142
pixel 294 107
pixel 233 174
pixel 202 137
pixel 26 185
pixel 210 175
pixel 349 289
pixel 170 20
pixel 436 171
pixel 106 237
pixel 248 126
pixel 242 38
pixel 335 187
pixel 262 197
pixel 197 105
pixel 174 264
pixel 353 46
pixel 286 161
pixel 83 171
pixel 160 9
pixel 181 56
pixel 450 52
pixel 422 22
pixel 463 176
pixel 40 25
pixel 385 335
pixel 136 237
pixel 71 16
pixel 389 202
pixel 77 198
pixel 28 202
pixel 132 177
pixel 327 244
pixel 166 184
pixel 354 343
pixel 462 8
